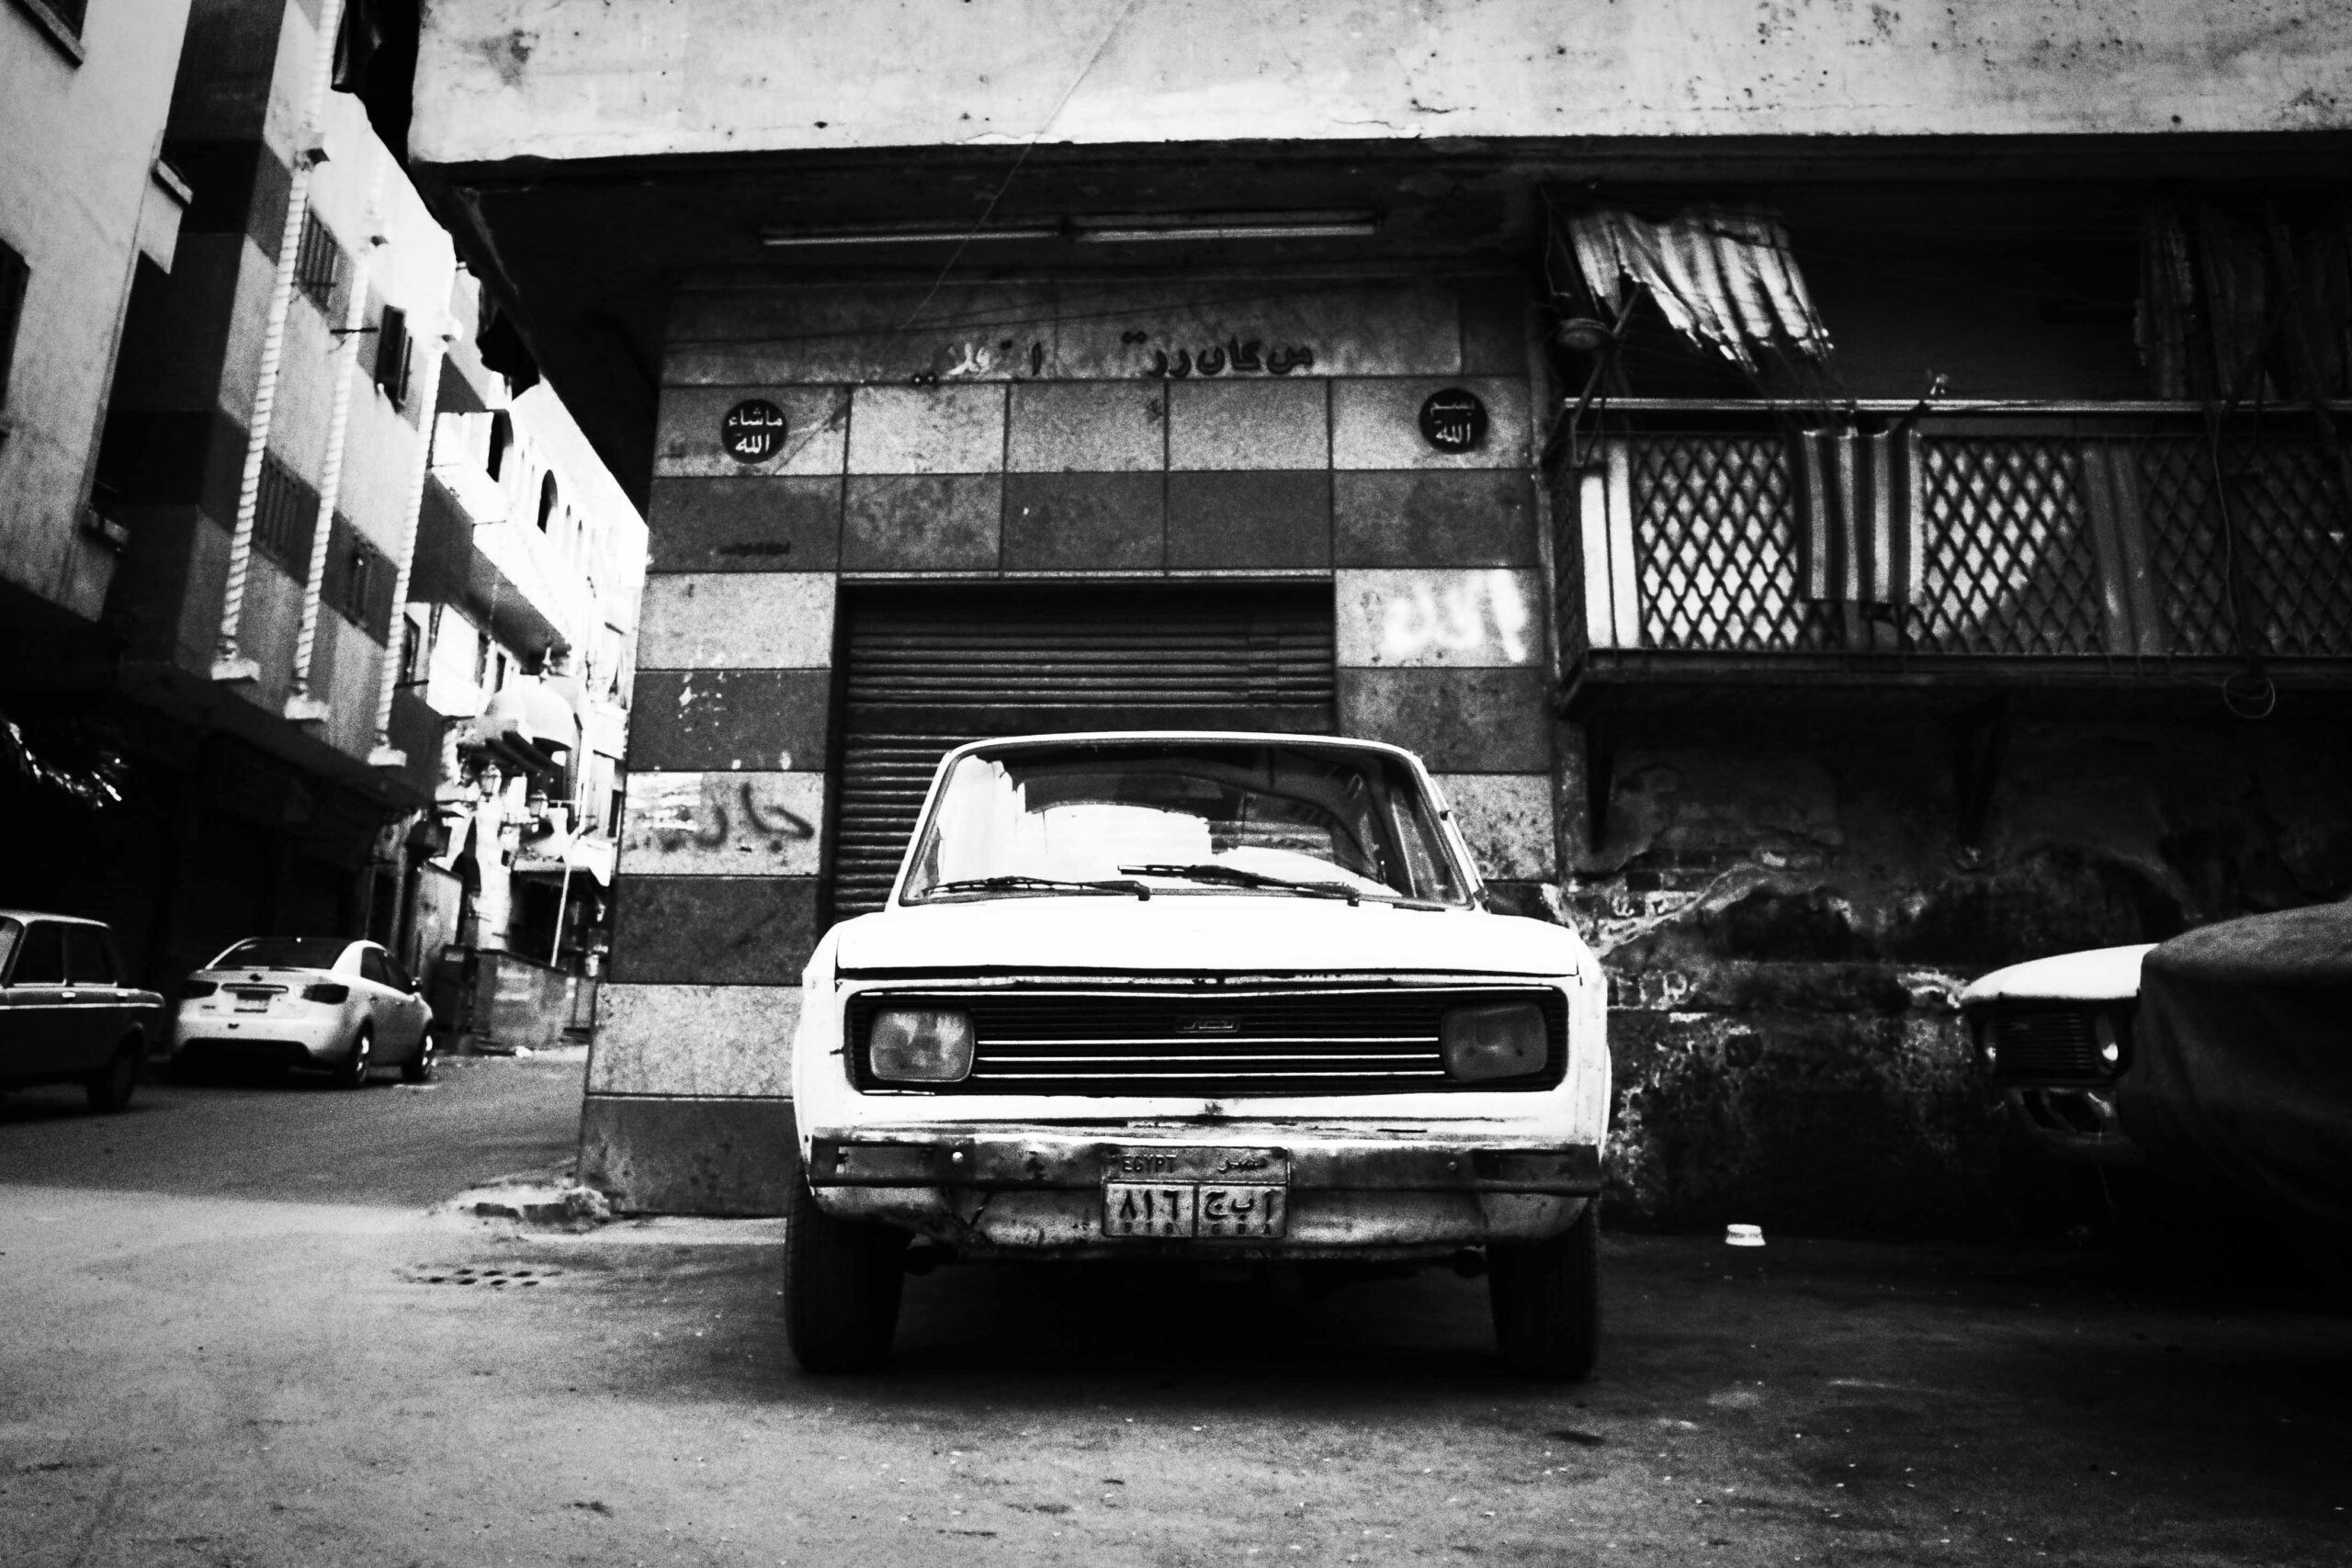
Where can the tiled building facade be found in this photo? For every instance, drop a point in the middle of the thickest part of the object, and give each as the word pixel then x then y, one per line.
pixel 1030 445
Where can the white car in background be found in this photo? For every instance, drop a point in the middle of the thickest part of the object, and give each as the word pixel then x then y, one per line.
pixel 2054 1037
pixel 301 1001
pixel 1197 997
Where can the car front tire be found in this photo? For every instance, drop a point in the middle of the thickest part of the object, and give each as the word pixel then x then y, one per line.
pixel 842 1284
pixel 353 1072
pixel 419 1067
pixel 1546 1301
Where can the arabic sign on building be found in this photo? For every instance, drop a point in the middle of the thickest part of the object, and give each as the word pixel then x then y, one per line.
pixel 752 431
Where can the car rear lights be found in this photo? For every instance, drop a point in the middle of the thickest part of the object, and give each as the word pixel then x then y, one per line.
pixel 190 989
pixel 919 1046
pixel 325 993
pixel 1500 1040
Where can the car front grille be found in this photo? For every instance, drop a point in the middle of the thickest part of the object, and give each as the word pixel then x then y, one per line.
pixel 2044 1042
pixel 1211 1043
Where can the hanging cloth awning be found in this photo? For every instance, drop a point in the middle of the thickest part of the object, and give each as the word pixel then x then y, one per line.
pixel 1724 277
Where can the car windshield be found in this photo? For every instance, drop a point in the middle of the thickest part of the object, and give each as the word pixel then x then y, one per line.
pixel 1264 819
pixel 283 952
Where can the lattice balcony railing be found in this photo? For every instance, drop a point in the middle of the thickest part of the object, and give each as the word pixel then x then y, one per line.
pixel 2081 543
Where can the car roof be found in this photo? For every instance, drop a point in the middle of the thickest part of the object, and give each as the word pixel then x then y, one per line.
pixel 1223 737
pixel 49 915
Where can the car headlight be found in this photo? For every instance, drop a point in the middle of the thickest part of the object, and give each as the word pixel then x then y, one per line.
pixel 1495 1039
pixel 919 1046
pixel 2108 1040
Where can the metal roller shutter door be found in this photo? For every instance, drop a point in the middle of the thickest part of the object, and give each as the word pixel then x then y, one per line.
pixel 930 670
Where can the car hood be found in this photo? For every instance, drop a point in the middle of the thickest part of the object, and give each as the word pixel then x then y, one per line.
pixel 1200 933
pixel 2099 974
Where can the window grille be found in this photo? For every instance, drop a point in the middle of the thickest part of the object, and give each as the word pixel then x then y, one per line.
pixel 283 509
pixel 354 584
pixel 318 266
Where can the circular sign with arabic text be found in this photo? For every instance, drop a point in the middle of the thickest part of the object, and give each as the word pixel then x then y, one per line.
pixel 1454 421
pixel 752 431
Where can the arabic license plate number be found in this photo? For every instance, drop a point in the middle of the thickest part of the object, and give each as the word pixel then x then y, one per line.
pixel 256 1001
pixel 1180 1209
pixel 1229 1193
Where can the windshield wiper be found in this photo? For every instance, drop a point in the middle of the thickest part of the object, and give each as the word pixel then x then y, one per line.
pixel 1233 876
pixel 1042 883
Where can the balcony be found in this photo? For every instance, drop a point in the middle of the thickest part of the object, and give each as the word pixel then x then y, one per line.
pixel 2105 558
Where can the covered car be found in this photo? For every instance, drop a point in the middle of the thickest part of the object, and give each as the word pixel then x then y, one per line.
pixel 1205 996
pixel 2243 1070
pixel 334 1003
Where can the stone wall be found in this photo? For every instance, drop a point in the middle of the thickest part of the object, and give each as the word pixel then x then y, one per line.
pixel 1787 912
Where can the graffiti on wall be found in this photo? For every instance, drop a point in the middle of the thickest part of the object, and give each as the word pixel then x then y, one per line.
pixel 722 823
pixel 1460 613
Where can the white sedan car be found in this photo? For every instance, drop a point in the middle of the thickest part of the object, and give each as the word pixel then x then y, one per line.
pixel 1204 997
pixel 300 1002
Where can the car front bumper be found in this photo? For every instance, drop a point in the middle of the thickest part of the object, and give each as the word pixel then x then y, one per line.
pixel 2073 1123
pixel 1368 1193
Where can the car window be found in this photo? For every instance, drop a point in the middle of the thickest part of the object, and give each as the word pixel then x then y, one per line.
pixel 87 960
pixel 283 952
pixel 371 967
pixel 400 977
pixel 42 961
pixel 1206 815
pixel 10 931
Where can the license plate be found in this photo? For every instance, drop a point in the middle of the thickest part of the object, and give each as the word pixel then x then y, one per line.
pixel 256 1001
pixel 1238 1194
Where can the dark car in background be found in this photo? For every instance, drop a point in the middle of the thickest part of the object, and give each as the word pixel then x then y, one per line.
pixel 68 1014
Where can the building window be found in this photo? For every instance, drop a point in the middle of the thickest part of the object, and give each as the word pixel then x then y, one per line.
pixel 282 512
pixel 61 20
pixel 394 353
pixel 318 266
pixel 547 501
pixel 502 436
pixel 482 658
pixel 13 276
pixel 411 646
pixel 355 585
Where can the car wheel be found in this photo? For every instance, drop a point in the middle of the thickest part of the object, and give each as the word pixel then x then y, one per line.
pixel 1546 1301
pixel 419 1067
pixel 841 1283
pixel 354 1072
pixel 110 1089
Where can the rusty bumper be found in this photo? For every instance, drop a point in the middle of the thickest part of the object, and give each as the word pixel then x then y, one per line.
pixel 1032 1192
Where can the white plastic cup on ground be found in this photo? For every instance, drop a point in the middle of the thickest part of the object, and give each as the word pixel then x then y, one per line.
pixel 1743 1236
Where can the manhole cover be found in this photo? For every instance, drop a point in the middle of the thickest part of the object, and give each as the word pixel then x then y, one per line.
pixel 467 1274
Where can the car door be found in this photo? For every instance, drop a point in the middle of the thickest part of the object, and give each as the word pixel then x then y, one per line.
pixel 37 1027
pixel 96 1013
pixel 412 1013
pixel 394 1039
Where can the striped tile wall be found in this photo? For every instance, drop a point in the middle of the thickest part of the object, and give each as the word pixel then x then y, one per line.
pixel 1019 435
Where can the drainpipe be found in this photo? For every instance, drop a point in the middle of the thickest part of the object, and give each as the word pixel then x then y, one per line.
pixel 300 705
pixel 387 755
pixel 228 664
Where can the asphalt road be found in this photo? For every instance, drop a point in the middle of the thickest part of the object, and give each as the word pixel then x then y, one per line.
pixel 232 1332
